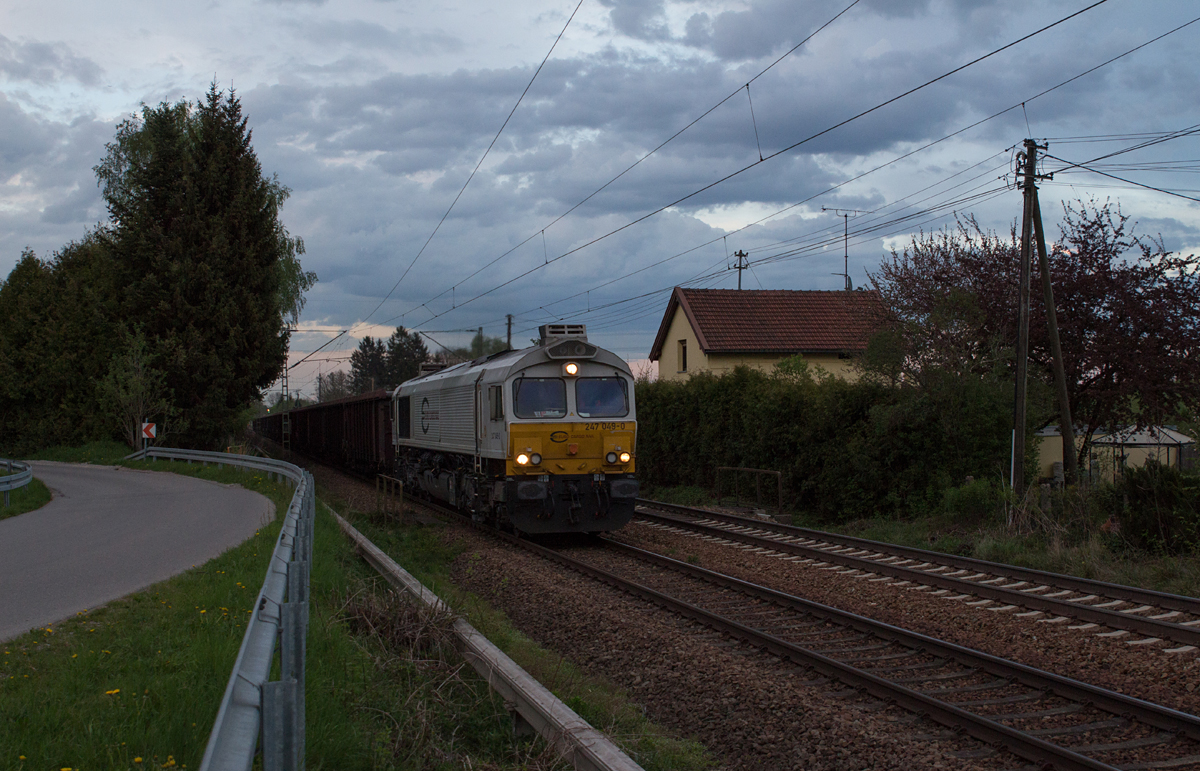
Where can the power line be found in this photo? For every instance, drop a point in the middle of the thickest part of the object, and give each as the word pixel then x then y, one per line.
pixel 476 169
pixel 995 115
pixel 636 163
pixel 772 156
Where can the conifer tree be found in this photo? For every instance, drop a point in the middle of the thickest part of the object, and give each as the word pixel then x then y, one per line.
pixel 206 269
pixel 368 366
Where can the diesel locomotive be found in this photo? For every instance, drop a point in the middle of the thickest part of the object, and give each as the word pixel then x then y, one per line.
pixel 539 440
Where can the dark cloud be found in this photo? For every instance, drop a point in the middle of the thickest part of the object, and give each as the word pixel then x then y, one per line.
pixel 639 19
pixel 45 63
pixel 374 154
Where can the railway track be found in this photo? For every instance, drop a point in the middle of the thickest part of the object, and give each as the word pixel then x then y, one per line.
pixel 1048 720
pixel 1044 718
pixel 1143 616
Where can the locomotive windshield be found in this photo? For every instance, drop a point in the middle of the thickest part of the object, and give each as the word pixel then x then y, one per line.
pixel 601 397
pixel 540 397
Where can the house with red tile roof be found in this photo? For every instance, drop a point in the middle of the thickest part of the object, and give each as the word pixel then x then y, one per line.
pixel 715 330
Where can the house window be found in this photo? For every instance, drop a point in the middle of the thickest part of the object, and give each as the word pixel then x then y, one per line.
pixel 683 355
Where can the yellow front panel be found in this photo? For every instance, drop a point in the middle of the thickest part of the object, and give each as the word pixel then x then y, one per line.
pixel 571 448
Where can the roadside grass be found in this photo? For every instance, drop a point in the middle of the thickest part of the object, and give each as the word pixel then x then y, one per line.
pixel 139 681
pixel 423 552
pixel 100 453
pixel 28 498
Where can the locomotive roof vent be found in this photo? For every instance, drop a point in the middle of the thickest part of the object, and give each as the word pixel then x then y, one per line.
pixel 429 367
pixel 553 333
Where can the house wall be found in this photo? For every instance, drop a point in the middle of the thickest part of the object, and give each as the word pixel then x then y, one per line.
pixel 669 366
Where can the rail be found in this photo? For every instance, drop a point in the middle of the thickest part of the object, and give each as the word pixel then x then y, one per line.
pixel 254 706
pixel 12 481
pixel 571 736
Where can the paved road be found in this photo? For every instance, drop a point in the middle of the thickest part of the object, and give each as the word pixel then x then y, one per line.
pixel 109 532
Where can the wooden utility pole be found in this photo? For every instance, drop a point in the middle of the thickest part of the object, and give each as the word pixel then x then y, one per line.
pixel 741 265
pixel 1031 231
pixel 510 331
pixel 1017 469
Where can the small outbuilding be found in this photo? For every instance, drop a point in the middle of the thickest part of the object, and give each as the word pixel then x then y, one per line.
pixel 715 330
pixel 1113 450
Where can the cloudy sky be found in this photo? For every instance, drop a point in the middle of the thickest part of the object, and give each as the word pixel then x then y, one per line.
pixel 376 113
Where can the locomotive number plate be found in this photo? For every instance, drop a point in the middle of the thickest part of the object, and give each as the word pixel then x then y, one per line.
pixel 604 427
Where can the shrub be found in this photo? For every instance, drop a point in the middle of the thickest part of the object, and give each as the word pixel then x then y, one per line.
pixel 1158 508
pixel 846 450
pixel 981 500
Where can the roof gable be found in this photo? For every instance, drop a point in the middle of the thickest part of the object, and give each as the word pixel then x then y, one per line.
pixel 775 321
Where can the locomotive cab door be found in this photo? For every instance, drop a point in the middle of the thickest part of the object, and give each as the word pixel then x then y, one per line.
pixel 480 422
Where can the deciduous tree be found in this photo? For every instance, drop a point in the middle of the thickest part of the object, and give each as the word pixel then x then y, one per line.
pixel 1128 314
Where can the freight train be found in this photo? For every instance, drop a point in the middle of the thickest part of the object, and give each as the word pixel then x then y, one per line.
pixel 538 440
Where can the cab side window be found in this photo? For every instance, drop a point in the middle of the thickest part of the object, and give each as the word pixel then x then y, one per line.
pixel 496 400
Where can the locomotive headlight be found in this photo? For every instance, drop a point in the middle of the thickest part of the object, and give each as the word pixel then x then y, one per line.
pixel 625 457
pixel 571 368
pixel 522 460
pixel 535 459
pixel 610 458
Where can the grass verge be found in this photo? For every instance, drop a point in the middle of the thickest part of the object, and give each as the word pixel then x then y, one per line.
pixel 424 553
pixel 138 682
pixel 28 498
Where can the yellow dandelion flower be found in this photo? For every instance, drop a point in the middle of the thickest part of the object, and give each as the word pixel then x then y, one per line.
pixel 204 611
pixel 137 760
pixel 74 655
pixel 114 690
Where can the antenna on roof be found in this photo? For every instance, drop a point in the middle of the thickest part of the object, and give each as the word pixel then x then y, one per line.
pixel 845 215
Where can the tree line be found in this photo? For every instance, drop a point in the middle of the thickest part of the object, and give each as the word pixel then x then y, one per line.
pixel 386 364
pixel 174 310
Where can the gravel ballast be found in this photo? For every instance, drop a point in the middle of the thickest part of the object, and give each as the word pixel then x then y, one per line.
pixel 753 711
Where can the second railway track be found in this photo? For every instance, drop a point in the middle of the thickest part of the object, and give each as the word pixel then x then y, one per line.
pixel 1042 717
pixel 1152 617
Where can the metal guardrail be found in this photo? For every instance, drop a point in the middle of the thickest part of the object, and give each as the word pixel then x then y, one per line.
pixel 12 481
pixel 253 705
pixel 572 737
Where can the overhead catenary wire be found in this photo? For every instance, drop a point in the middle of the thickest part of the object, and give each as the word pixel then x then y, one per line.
pixel 772 156
pixel 926 146
pixel 1060 140
pixel 647 155
pixel 477 165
